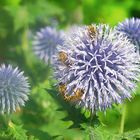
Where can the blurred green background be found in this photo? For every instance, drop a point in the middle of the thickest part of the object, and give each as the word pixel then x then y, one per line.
pixel 46 116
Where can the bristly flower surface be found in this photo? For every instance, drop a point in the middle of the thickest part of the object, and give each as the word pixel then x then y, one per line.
pixel 46 41
pixel 96 67
pixel 131 29
pixel 14 89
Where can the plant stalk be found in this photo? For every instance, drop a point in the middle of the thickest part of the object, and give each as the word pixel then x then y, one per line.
pixel 123 119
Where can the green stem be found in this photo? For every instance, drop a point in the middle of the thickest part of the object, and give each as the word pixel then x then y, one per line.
pixel 91 135
pixel 25 44
pixel 123 119
pixel 91 118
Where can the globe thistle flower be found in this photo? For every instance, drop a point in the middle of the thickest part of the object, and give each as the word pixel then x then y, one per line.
pixel 14 89
pixel 131 29
pixel 45 43
pixel 96 67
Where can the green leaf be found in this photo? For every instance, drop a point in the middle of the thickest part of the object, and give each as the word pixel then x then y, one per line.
pixel 135 134
pixel 17 131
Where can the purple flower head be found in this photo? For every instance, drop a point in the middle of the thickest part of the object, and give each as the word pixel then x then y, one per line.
pixel 96 67
pixel 46 41
pixel 14 89
pixel 131 29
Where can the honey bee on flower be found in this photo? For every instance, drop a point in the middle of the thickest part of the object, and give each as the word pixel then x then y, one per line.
pixel 71 98
pixel 92 31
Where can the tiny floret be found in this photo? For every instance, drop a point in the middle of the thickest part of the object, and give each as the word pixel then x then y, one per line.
pixel 14 89
pixel 96 67
pixel 46 41
pixel 131 29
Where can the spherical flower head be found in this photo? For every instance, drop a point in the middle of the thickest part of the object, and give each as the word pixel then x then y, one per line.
pixel 46 41
pixel 14 89
pixel 131 29
pixel 96 67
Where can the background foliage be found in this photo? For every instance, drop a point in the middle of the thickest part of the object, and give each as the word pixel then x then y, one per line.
pixel 46 116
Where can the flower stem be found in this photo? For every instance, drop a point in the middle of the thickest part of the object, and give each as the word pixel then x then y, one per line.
pixel 91 133
pixel 123 119
pixel 91 118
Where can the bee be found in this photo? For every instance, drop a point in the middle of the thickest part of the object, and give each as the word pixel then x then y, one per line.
pixel 72 98
pixel 92 31
pixel 77 95
pixel 62 88
pixel 63 57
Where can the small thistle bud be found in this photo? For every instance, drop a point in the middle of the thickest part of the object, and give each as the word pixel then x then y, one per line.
pixel 103 67
pixel 14 89
pixel 131 29
pixel 46 41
